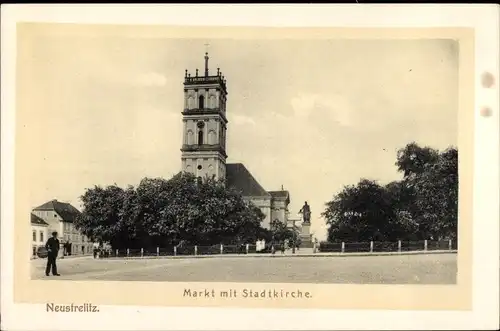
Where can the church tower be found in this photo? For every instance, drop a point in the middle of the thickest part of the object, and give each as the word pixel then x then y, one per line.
pixel 204 124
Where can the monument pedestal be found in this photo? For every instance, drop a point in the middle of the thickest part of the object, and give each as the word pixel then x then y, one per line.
pixel 305 235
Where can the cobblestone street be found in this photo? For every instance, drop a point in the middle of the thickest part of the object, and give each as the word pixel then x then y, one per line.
pixel 391 269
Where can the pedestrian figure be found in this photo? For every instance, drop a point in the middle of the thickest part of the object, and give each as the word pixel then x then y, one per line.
pixel 96 249
pixel 52 247
pixel 282 248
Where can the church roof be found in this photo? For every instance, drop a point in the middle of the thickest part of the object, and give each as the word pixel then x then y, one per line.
pixel 239 178
pixel 67 212
pixel 37 220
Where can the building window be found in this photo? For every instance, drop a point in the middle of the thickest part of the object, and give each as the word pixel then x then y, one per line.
pixel 201 102
pixel 200 137
pixel 190 137
pixel 34 250
pixel 34 236
pixel 41 236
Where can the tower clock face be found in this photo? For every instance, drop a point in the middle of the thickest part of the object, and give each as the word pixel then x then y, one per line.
pixel 201 125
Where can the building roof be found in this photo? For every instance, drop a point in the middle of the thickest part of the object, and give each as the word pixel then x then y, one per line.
pixel 67 212
pixel 35 220
pixel 239 178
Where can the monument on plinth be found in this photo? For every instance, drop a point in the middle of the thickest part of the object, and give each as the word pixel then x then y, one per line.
pixel 305 233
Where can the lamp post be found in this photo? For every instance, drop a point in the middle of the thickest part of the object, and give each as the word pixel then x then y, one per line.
pixel 287 214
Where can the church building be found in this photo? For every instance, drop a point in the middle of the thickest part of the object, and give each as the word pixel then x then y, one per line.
pixel 204 144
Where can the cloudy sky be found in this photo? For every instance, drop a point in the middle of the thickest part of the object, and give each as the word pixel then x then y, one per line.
pixel 311 115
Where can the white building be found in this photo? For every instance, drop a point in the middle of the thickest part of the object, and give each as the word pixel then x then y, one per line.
pixel 60 217
pixel 39 229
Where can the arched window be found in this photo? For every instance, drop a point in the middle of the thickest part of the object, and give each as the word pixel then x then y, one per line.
pixel 190 102
pixel 200 137
pixel 211 137
pixel 201 102
pixel 190 137
pixel 212 101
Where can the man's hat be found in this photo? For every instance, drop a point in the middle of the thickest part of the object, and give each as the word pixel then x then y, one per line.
pixel 54 233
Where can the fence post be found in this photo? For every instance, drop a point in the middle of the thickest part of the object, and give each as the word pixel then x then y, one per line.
pixel 195 249
pixel 371 246
pixel 399 246
pixel 142 252
pixel 157 251
pixel 221 248
pixel 449 244
pixel 247 248
pixel 343 247
pixel 117 252
pixel 425 245
pixel 128 252
pixel 175 250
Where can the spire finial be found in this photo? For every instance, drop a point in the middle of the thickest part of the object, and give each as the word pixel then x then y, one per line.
pixel 206 64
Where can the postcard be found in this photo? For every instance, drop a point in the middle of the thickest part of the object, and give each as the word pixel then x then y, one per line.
pixel 188 166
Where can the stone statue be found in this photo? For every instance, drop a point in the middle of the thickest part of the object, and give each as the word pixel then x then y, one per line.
pixel 306 212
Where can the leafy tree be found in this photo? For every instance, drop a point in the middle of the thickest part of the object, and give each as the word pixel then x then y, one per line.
pixel 100 218
pixel 423 205
pixel 437 196
pixel 360 213
pixel 161 212
pixel 402 197
pixel 280 232
pixel 412 159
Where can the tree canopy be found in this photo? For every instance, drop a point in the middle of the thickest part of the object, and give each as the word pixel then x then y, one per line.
pixel 160 212
pixel 423 205
pixel 280 233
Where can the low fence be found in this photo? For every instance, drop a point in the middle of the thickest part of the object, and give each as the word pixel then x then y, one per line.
pixel 185 250
pixel 387 246
pixel 324 247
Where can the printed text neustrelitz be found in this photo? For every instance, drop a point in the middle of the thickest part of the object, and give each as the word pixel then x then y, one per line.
pixel 72 308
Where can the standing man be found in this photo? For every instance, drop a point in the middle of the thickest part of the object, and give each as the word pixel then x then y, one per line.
pixel 96 249
pixel 52 247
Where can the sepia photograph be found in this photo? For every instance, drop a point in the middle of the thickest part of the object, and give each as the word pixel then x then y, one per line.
pixel 229 160
pixel 247 167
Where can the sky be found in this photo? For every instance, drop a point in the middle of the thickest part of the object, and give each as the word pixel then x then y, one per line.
pixel 311 115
